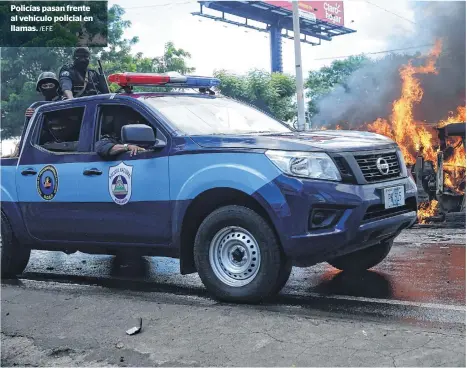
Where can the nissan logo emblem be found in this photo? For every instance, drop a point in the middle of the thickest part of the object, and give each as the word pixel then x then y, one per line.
pixel 382 166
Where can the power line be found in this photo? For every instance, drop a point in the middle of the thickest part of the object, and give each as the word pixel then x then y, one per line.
pixel 388 11
pixel 374 53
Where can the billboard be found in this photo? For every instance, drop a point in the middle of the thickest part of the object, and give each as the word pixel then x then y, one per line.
pixel 327 11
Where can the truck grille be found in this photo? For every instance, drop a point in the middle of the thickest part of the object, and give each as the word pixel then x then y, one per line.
pixel 370 170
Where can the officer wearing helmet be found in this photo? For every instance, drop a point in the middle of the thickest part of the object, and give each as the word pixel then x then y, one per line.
pixel 48 85
pixel 76 80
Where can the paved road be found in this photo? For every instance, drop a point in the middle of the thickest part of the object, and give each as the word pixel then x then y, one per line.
pixel 419 290
pixel 429 274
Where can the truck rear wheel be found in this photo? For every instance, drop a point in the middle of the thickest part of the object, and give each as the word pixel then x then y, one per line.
pixel 363 259
pixel 238 256
pixel 14 257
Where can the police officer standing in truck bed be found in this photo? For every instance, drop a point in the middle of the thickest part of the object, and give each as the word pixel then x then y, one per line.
pixel 76 80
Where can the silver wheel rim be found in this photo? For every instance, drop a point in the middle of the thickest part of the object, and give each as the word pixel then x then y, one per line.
pixel 234 256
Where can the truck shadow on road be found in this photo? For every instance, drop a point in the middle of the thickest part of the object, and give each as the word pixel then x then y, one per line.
pixel 369 284
pixel 137 274
pixel 134 273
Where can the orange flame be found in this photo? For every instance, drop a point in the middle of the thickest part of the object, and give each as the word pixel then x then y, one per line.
pixel 426 210
pixel 459 117
pixel 402 127
pixel 415 138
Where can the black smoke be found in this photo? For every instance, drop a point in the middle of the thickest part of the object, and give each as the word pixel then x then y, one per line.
pixel 370 91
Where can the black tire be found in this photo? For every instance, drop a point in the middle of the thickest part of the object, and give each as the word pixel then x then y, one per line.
pixel 363 259
pixel 14 257
pixel 272 272
pixel 284 275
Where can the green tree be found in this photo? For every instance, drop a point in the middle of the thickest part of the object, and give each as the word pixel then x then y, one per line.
pixel 173 60
pixel 320 82
pixel 20 67
pixel 66 32
pixel 272 93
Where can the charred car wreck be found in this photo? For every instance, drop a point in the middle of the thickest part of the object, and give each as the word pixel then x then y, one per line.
pixel 444 181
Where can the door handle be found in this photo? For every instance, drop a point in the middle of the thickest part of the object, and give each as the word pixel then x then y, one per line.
pixel 92 172
pixel 29 171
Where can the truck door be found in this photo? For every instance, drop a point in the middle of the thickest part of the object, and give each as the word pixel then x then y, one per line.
pixel 126 199
pixel 46 176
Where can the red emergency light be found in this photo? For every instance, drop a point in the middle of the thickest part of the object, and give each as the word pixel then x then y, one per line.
pixel 132 79
pixel 171 79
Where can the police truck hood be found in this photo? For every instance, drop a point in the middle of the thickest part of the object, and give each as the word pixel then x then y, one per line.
pixel 329 140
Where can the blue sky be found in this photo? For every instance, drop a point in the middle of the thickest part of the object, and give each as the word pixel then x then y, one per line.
pixel 215 45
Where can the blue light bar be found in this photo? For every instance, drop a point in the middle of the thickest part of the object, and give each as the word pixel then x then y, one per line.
pixel 199 82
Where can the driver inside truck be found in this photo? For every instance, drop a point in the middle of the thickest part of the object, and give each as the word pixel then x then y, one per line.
pixel 110 144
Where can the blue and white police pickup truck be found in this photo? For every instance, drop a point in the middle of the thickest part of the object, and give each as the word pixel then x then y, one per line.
pixel 236 195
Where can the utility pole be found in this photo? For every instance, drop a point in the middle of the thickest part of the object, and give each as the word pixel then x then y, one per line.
pixel 298 66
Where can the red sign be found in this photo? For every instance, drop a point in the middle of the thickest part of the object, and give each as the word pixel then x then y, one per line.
pixel 328 11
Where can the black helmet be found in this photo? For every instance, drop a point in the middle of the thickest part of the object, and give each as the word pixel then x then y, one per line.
pixel 82 51
pixel 46 77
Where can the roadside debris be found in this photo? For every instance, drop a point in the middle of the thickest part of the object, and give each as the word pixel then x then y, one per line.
pixel 136 329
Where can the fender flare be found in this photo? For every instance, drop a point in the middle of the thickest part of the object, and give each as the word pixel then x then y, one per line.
pixel 238 177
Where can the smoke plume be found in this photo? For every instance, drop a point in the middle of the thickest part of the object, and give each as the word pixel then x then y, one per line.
pixel 369 92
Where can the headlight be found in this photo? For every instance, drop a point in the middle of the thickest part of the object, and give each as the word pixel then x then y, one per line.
pixel 312 165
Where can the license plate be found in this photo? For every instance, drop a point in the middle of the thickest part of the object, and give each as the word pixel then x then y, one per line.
pixel 394 197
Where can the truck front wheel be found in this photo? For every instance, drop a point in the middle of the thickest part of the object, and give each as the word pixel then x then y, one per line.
pixel 14 257
pixel 238 256
pixel 364 259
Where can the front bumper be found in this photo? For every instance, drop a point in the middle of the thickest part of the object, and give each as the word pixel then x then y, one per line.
pixel 363 221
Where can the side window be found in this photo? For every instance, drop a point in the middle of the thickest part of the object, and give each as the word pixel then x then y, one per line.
pixel 60 130
pixel 113 117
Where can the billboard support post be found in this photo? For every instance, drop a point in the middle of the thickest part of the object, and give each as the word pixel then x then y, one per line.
pixel 319 20
pixel 276 49
pixel 298 66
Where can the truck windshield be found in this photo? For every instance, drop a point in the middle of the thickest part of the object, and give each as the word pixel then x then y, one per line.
pixel 207 116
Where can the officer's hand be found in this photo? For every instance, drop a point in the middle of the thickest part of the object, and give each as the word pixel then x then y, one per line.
pixel 134 149
pixel 68 94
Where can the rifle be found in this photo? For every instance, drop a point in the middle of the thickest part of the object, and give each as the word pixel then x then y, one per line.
pixel 103 79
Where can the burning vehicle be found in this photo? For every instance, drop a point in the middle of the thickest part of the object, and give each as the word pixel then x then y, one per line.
pixel 441 191
pixel 434 152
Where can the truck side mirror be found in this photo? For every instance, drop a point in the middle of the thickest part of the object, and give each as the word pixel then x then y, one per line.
pixel 140 134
